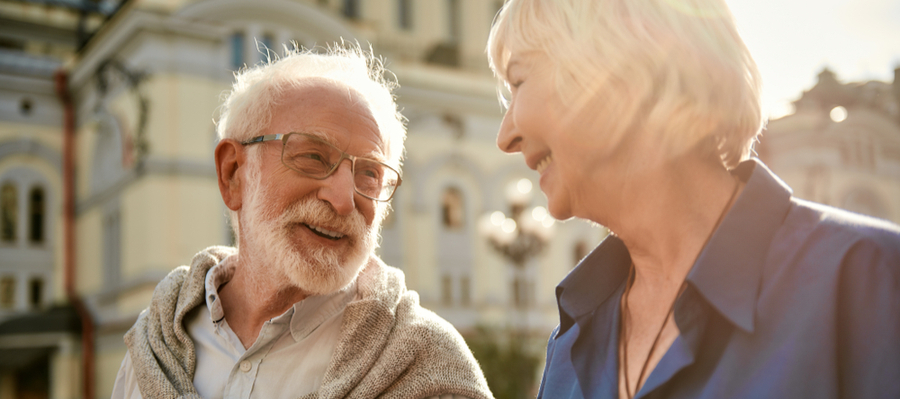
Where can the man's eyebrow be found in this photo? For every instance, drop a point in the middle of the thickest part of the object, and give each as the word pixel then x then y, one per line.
pixel 377 154
pixel 318 135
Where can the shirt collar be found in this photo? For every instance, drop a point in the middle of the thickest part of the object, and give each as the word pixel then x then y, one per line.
pixel 304 317
pixel 217 276
pixel 313 311
pixel 727 272
pixel 592 281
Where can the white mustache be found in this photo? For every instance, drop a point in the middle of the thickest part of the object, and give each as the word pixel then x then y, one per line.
pixel 315 212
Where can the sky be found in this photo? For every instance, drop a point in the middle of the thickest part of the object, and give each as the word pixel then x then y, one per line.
pixel 792 40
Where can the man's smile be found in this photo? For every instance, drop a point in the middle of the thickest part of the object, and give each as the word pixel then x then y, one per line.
pixel 325 233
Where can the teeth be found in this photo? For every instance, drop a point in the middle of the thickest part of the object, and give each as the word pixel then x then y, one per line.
pixel 544 164
pixel 326 232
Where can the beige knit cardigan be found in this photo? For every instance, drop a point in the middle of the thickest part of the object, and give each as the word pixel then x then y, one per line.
pixel 390 347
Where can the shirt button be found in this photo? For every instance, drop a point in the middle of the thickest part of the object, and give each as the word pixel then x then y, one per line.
pixel 245 366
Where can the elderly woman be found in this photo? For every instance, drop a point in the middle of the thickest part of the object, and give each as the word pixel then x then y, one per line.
pixel 716 282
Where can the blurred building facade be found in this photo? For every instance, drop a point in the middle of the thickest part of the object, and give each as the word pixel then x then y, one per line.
pixel 107 180
pixel 841 146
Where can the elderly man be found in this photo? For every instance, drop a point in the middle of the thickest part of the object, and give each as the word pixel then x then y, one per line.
pixel 308 159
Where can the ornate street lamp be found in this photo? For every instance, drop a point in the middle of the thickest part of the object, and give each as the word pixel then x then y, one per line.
pixel 525 232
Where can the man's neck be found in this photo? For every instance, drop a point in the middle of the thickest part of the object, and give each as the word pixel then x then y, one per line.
pixel 254 296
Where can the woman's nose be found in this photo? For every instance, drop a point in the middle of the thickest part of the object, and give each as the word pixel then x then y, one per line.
pixel 508 138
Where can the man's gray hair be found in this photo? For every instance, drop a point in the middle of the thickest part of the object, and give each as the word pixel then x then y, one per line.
pixel 247 109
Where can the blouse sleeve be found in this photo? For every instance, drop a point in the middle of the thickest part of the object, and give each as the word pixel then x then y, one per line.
pixel 869 319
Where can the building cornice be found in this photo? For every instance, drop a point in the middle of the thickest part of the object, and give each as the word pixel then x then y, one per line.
pixel 110 41
pixel 310 20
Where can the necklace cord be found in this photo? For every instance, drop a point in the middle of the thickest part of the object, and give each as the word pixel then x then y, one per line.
pixel 623 305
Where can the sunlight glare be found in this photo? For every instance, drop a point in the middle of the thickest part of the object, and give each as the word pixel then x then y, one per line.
pixel 509 225
pixel 539 213
pixel 497 218
pixel 838 114
pixel 524 185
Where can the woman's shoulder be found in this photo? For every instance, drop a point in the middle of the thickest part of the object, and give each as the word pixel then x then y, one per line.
pixel 826 223
pixel 824 237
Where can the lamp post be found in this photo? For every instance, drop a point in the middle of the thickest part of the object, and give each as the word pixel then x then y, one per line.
pixel 519 236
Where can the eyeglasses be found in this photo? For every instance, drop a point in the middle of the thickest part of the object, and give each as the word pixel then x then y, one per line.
pixel 315 158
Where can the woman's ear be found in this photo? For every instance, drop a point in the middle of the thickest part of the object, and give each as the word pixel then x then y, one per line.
pixel 230 158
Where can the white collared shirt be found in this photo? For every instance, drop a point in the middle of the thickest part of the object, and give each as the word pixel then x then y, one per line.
pixel 288 359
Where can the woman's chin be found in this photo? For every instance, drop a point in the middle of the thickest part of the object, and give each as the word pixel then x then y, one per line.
pixel 558 209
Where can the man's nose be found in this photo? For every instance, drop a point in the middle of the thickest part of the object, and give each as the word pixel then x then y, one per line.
pixel 508 138
pixel 339 189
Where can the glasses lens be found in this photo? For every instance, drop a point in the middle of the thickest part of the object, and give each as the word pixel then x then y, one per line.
pixel 316 158
pixel 309 156
pixel 374 179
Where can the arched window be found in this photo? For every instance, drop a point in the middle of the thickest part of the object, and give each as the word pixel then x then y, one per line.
pixel 453 21
pixel 7 292
pixel 9 210
pixel 404 14
pixel 351 9
pixel 237 50
pixel 36 213
pixel 453 209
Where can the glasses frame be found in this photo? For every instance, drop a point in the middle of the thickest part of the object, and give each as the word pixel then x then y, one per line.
pixel 283 137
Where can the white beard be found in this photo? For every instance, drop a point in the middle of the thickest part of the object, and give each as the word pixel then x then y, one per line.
pixel 312 268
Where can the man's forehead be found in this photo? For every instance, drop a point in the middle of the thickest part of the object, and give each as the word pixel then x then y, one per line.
pixel 321 106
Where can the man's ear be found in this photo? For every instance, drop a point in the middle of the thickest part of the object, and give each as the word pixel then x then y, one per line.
pixel 230 157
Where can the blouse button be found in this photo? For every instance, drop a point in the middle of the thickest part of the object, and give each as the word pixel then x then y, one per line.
pixel 245 366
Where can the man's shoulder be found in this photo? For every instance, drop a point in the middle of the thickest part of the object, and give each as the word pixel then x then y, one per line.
pixel 388 285
pixel 387 333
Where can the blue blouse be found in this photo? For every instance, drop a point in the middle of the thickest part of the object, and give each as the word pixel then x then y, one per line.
pixel 789 299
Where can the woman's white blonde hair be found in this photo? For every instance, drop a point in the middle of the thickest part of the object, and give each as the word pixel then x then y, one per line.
pixel 673 68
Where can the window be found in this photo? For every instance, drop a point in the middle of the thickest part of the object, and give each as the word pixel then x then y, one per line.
pixel 351 9
pixel 237 50
pixel 465 291
pixel 404 14
pixel 446 290
pixel 25 106
pixel 522 289
pixel 7 292
pixel 453 28
pixel 452 209
pixel 36 216
pixel 268 41
pixel 9 210
pixel 36 292
pixel 112 243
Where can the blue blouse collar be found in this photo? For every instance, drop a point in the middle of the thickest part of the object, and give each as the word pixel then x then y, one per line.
pixel 727 272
